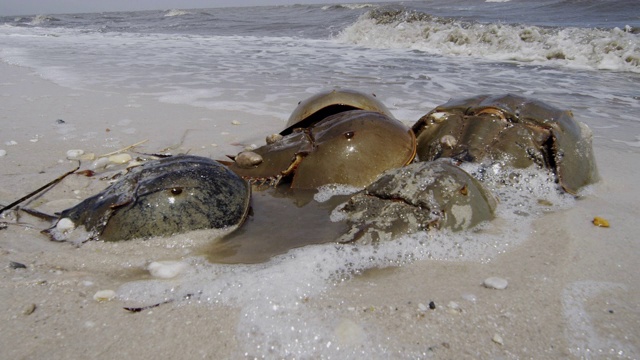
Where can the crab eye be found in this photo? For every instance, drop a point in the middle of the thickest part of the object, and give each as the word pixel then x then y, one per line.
pixel 349 134
pixel 176 191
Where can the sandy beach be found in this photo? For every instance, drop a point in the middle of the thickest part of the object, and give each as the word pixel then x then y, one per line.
pixel 572 287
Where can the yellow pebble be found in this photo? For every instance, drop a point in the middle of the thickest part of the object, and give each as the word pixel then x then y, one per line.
pixel 598 221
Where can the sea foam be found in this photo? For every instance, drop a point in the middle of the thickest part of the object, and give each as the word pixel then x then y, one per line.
pixel 584 48
pixel 272 296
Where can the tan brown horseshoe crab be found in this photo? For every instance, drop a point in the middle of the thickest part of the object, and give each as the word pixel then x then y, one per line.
pixel 331 102
pixel 509 130
pixel 160 198
pixel 417 197
pixel 348 147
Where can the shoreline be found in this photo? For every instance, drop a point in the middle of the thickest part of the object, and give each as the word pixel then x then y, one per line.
pixel 572 286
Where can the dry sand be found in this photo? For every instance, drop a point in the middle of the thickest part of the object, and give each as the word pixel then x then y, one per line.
pixel 573 288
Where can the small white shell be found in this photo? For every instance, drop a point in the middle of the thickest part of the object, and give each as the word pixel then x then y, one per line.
pixel 495 283
pixel 273 138
pixel 104 295
pixel 74 154
pixel 100 163
pixel 248 159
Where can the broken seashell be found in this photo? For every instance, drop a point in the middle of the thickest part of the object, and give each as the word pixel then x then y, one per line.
pixel 600 222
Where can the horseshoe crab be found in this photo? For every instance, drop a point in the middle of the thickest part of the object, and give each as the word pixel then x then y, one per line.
pixel 352 147
pixel 509 130
pixel 331 102
pixel 417 197
pixel 160 198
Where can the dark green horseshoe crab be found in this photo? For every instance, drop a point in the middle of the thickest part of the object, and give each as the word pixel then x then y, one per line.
pixel 510 130
pixel 351 147
pixel 160 198
pixel 417 197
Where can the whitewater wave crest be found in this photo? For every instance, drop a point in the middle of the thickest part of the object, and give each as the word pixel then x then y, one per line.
pixel 42 19
pixel 586 48
pixel 176 12
pixel 348 6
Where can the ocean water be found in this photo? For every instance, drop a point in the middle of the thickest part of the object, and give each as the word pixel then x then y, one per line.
pixel 413 55
pixel 578 55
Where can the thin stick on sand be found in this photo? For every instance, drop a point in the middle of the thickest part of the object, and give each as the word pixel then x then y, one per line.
pixel 45 186
pixel 175 146
pixel 124 148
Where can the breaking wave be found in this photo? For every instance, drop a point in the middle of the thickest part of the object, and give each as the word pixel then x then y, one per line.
pixel 585 48
pixel 348 6
pixel 43 19
pixel 176 12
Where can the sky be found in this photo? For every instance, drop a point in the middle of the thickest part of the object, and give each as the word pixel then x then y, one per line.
pixel 42 7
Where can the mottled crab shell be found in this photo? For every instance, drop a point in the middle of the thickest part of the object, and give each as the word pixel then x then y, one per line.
pixel 512 130
pixel 330 102
pixel 417 197
pixel 160 198
pixel 351 147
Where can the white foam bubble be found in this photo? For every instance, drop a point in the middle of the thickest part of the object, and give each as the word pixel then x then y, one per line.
pixel 166 269
pixel 326 192
pixel 521 192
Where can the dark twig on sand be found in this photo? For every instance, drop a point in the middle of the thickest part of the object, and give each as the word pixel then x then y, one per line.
pixel 40 189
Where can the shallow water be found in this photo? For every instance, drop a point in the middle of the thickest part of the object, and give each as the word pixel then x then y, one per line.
pixel 280 220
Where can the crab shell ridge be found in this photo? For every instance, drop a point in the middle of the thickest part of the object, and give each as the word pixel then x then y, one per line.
pixel 330 102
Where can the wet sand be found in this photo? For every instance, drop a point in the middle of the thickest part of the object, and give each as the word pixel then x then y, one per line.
pixel 573 290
